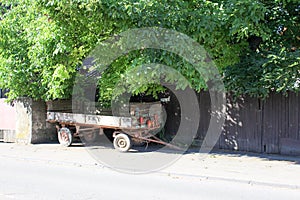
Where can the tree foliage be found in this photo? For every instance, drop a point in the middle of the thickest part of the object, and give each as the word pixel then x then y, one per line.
pixel 255 44
pixel 274 65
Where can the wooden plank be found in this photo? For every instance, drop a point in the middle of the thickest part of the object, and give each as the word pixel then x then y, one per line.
pixel 173 117
pixel 271 123
pixel 93 120
pixel 250 120
pixel 297 98
pixel 275 118
pixel 204 104
pixel 293 127
pixel 228 136
pixel 289 146
pixel 243 125
pixel 283 117
pixel 259 125
pixel 265 123
pixel 284 112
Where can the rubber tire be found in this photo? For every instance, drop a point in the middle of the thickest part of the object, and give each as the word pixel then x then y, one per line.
pixel 122 142
pixel 68 133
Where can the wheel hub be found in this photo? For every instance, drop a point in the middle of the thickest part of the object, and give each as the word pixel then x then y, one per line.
pixel 122 143
pixel 65 136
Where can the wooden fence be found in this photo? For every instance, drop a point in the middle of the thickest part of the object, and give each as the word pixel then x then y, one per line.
pixel 265 126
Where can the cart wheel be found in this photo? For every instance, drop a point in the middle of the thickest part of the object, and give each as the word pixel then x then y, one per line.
pixel 65 137
pixel 122 142
pixel 90 136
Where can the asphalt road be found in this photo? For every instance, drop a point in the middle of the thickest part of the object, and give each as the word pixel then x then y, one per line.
pixel 35 179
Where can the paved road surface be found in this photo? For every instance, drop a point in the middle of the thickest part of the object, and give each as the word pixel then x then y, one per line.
pixel 23 179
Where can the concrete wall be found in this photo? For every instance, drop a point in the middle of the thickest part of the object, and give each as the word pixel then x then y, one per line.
pixel 23 125
pixel 31 125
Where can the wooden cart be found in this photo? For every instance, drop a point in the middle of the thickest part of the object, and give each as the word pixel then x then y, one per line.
pixel 140 125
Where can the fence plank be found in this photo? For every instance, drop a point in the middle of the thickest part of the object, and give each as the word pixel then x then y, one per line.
pixel 242 126
pixel 293 122
pixel 269 131
pixel 228 137
pixel 204 104
pixel 275 121
pixel 255 125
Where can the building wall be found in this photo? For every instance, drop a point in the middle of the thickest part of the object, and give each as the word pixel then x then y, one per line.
pixel 7 121
pixel 25 122
pixel 7 116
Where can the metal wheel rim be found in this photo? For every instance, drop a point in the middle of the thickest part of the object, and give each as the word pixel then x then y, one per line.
pixel 122 143
pixel 64 136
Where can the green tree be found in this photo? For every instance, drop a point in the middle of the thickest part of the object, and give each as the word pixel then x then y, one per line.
pixel 255 44
pixel 274 62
